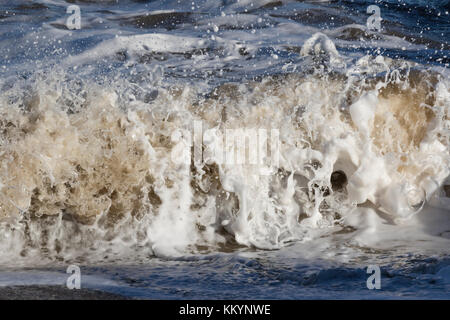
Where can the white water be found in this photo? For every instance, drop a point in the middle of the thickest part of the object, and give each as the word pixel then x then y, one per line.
pixel 87 149
pixel 88 173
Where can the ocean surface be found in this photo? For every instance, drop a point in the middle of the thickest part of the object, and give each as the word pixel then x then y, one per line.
pixel 115 147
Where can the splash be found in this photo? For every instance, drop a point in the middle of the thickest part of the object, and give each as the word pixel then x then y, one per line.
pixel 87 174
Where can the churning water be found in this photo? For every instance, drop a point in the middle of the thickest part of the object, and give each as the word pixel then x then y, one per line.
pixel 97 146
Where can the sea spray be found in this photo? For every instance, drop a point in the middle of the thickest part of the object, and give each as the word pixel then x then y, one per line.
pixel 85 174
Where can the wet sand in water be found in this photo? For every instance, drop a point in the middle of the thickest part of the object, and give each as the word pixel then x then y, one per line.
pixel 46 292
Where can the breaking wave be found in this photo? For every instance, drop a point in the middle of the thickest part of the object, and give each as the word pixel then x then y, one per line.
pixel 89 173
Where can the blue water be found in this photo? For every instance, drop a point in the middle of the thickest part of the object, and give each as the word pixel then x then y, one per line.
pixel 256 276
